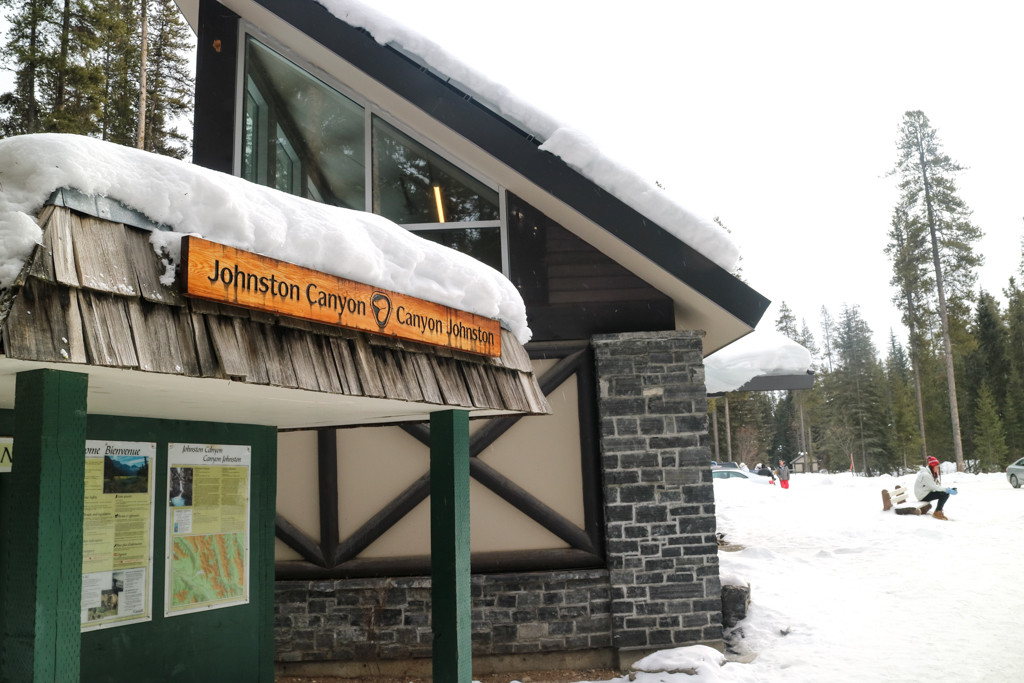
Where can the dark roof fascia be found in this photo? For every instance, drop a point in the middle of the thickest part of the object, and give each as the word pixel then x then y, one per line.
pixel 520 151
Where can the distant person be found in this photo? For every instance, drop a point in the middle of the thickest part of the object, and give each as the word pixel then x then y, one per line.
pixel 765 472
pixel 783 474
pixel 928 486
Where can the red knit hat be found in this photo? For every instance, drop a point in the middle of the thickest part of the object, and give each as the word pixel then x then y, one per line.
pixel 933 461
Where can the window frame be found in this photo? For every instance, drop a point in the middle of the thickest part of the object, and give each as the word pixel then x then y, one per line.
pixel 370 110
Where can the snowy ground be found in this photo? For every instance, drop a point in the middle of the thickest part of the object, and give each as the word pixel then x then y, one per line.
pixel 842 591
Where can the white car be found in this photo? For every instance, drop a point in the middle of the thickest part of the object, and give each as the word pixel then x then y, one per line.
pixel 729 473
pixel 1015 473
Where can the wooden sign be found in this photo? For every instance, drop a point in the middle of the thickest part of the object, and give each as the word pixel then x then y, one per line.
pixel 221 273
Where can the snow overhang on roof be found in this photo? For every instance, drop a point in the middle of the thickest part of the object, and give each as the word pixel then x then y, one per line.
pixel 762 361
pixel 81 291
pixel 549 165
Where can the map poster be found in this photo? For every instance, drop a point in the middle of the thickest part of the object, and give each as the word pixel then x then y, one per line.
pixel 117 533
pixel 207 526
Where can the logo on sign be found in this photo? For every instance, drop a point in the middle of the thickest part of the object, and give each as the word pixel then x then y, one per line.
pixel 381 305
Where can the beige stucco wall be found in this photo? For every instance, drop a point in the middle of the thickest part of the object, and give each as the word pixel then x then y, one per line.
pixel 375 464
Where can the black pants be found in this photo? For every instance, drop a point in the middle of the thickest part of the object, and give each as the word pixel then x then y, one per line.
pixel 940 496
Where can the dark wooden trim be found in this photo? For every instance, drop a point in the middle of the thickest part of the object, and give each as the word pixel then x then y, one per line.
pixel 297 540
pixel 587 550
pixel 388 516
pixel 327 483
pixel 481 563
pixel 529 505
pixel 590 450
pixel 213 128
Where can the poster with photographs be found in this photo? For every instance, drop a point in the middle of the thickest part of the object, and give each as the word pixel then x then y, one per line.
pixel 117 533
pixel 208 527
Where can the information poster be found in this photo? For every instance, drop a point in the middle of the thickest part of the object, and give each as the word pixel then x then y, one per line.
pixel 117 533
pixel 207 526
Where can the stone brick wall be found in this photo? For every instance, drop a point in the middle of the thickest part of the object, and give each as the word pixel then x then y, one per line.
pixel 387 619
pixel 661 588
pixel 659 497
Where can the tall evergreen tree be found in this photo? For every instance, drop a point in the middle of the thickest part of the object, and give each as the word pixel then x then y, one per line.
pixel 170 84
pixel 990 439
pixel 904 435
pixel 856 397
pixel 29 51
pixel 75 79
pixel 928 197
pixel 786 322
pixel 119 57
pixel 911 277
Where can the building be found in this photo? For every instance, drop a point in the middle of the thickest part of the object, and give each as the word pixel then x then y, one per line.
pixel 593 530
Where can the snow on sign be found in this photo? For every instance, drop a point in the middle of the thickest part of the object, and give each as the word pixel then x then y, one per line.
pixel 221 273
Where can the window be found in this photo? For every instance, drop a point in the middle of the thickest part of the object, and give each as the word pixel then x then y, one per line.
pixel 304 137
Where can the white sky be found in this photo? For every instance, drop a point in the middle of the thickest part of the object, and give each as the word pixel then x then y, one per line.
pixel 781 118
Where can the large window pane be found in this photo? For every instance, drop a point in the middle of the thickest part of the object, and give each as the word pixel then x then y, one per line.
pixel 413 185
pixel 483 244
pixel 301 136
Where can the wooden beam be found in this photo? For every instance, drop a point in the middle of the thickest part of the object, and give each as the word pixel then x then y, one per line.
pixel 327 481
pixel 297 540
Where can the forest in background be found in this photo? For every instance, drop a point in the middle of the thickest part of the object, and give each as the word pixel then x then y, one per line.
pixel 120 70
pixel 954 389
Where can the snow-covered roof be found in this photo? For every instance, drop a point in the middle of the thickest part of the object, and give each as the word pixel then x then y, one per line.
pixel 572 146
pixel 576 149
pixel 189 199
pixel 762 353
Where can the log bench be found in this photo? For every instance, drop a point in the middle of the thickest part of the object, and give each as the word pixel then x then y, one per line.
pixel 897 499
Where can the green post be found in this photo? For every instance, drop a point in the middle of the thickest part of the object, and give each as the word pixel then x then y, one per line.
pixel 449 546
pixel 42 539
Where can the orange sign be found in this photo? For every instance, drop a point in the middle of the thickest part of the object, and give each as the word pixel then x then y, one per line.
pixel 221 273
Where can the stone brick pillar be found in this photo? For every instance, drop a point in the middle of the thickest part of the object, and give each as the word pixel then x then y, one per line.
pixel 659 498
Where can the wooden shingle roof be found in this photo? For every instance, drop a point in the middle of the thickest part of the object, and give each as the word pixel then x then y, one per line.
pixel 91 295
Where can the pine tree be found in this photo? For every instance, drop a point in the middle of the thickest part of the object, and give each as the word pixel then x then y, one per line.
pixel 990 439
pixel 904 437
pixel 119 58
pixel 75 80
pixel 786 322
pixel 856 397
pixel 29 50
pixel 170 85
pixel 928 196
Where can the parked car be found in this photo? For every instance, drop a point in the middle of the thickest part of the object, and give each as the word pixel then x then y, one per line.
pixel 729 473
pixel 730 465
pixel 1015 473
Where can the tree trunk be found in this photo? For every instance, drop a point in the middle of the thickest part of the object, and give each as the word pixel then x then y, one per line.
pixel 954 411
pixel 141 139
pixel 714 426
pixel 32 107
pixel 728 431
pixel 60 96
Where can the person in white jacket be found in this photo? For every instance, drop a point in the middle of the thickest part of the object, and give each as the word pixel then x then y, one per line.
pixel 928 486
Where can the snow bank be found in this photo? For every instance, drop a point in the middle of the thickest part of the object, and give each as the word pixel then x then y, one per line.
pixel 193 200
pixel 572 146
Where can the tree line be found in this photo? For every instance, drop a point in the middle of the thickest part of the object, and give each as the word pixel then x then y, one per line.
pixel 118 70
pixel 954 388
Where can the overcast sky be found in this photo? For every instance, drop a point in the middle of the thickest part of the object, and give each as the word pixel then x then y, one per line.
pixel 779 117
